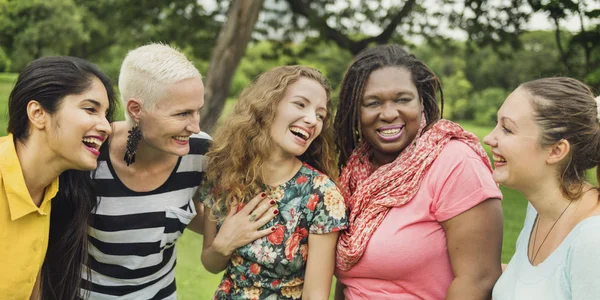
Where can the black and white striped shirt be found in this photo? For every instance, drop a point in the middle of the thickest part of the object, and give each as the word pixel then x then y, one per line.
pixel 132 251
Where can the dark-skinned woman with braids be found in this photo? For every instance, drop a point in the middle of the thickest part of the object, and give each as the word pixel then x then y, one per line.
pixel 425 219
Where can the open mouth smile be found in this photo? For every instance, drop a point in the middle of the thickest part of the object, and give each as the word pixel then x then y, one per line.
pixel 390 133
pixel 93 144
pixel 301 133
pixel 498 158
pixel 182 140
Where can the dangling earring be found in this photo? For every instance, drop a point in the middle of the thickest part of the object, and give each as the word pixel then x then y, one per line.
pixel 133 138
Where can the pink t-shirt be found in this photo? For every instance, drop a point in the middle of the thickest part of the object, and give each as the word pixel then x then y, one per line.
pixel 407 256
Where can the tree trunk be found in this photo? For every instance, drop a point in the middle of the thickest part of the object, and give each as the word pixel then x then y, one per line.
pixel 229 50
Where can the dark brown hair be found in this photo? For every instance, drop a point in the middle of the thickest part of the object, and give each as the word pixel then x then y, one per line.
pixel 48 80
pixel 347 118
pixel 565 108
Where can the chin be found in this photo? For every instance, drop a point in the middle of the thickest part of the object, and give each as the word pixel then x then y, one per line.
pixel 501 180
pixel 180 152
pixel 86 166
pixel 299 152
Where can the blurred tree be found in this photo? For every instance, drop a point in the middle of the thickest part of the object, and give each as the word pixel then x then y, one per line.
pixel 229 50
pixel 118 26
pixel 507 68
pixel 348 22
pixel 103 30
pixel 30 29
pixel 456 96
pixel 485 105
pixel 4 61
pixel 584 43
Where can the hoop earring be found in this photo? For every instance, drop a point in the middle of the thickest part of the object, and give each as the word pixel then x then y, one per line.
pixel 133 138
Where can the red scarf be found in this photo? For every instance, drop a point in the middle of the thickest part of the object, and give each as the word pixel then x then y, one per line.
pixel 370 195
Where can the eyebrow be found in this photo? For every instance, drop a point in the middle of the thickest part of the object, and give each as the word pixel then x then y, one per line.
pixel 507 119
pixel 188 110
pixel 93 102
pixel 379 94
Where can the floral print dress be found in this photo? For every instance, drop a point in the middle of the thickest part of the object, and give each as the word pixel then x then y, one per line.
pixel 273 267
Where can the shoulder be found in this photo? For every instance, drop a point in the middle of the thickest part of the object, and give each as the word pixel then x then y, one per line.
pixel 5 140
pixel 6 147
pixel 455 158
pixel 201 135
pixel 315 177
pixel 456 150
pixel 587 234
pixel 583 261
pixel 199 143
pixel 10 160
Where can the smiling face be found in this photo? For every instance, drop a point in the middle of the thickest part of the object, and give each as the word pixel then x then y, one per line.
pixel 299 117
pixel 168 126
pixel 79 127
pixel 519 159
pixel 390 112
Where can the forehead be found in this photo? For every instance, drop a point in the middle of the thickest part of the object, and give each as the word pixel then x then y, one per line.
pixel 519 109
pixel 308 88
pixel 517 105
pixel 185 94
pixel 96 91
pixel 389 80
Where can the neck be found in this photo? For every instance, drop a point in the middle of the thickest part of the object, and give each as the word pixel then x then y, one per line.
pixel 39 166
pixel 278 170
pixel 145 155
pixel 380 159
pixel 547 199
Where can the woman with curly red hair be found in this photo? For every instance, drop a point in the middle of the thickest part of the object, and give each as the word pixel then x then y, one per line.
pixel 278 143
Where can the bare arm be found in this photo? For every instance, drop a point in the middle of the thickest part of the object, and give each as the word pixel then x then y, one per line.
pixel 475 246
pixel 35 294
pixel 339 290
pixel 238 229
pixel 320 265
pixel 197 223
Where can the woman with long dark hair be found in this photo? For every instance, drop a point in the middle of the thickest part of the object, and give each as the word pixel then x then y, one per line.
pixel 59 113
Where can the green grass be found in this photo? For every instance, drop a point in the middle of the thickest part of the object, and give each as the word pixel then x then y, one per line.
pixel 194 282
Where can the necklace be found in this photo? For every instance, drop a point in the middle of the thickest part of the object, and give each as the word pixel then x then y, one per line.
pixel 537 225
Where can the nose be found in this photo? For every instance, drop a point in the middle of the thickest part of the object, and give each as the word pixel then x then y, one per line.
pixel 311 118
pixel 194 124
pixel 490 139
pixel 388 113
pixel 104 127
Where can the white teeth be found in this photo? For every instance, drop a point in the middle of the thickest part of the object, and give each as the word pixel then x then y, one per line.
pixel 390 131
pixel 498 158
pixel 94 141
pixel 305 135
pixel 181 138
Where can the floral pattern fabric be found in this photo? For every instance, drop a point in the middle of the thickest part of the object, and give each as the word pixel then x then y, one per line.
pixel 273 267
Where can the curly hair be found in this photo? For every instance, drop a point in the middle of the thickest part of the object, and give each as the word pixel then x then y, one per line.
pixel 243 143
pixel 352 89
